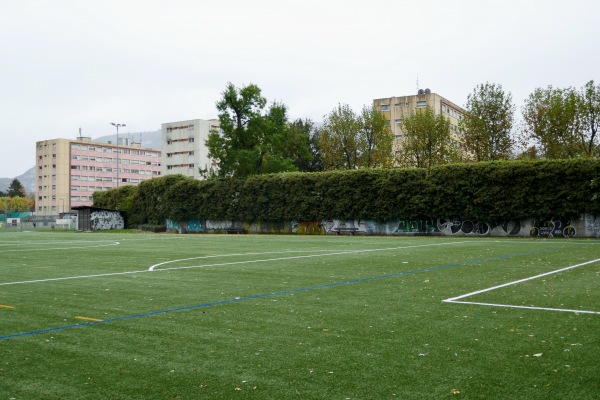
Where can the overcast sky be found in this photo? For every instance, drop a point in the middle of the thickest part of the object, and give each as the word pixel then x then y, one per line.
pixel 70 64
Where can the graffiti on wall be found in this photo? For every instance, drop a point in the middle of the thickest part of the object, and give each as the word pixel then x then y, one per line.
pixel 587 226
pixel 103 220
pixel 555 227
pixel 192 226
pixel 218 225
pixel 592 225
pixel 308 227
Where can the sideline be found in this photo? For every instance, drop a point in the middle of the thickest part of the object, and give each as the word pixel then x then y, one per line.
pixel 457 298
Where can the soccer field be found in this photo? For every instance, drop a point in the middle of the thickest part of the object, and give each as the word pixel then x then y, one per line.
pixel 120 315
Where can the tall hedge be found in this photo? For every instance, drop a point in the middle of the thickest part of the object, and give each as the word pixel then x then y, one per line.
pixel 484 191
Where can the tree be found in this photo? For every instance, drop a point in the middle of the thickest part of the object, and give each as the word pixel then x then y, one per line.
pixel 16 189
pixel 590 114
pixel 552 119
pixel 15 204
pixel 375 139
pixel 349 141
pixel 488 123
pixel 253 142
pixel 427 141
pixel 339 139
pixel 310 159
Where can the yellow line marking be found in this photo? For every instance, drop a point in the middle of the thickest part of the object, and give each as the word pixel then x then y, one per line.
pixel 4 306
pixel 87 319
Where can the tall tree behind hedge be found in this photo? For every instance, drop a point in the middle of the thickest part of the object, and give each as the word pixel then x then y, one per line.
pixel 339 139
pixel 590 110
pixel 350 141
pixel 553 120
pixel 488 123
pixel 253 141
pixel 426 142
pixel 375 139
pixel 311 160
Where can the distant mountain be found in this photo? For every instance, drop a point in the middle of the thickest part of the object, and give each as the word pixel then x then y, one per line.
pixel 147 139
pixel 27 180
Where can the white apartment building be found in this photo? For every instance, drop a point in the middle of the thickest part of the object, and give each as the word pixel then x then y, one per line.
pixel 183 148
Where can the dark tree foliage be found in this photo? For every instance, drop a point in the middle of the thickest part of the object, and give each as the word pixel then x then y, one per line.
pixel 252 141
pixel 16 189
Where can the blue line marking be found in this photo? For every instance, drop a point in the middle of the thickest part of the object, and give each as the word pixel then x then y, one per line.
pixel 280 293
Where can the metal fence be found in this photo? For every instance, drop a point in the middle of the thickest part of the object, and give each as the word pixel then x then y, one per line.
pixel 28 221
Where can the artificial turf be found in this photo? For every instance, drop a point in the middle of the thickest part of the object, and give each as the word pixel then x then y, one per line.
pixel 307 317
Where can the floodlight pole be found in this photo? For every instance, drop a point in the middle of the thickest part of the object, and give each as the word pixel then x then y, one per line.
pixel 117 126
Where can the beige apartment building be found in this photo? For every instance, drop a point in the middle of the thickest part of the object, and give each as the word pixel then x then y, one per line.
pixel 68 172
pixel 183 147
pixel 396 108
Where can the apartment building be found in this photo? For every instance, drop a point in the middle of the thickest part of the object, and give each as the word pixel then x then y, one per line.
pixel 396 108
pixel 68 172
pixel 183 148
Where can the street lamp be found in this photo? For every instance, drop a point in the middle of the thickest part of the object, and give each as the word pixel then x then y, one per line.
pixel 117 126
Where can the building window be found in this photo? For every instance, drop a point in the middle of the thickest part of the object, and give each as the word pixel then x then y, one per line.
pixel 398 120
pixel 385 107
pixel 421 104
pixel 191 140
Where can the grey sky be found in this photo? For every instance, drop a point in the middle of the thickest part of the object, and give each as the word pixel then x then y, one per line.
pixel 71 64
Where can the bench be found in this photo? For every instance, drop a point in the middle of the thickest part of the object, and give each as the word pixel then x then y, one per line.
pixel 341 229
pixel 235 230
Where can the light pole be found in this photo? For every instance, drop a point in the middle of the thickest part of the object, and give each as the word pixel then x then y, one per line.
pixel 117 126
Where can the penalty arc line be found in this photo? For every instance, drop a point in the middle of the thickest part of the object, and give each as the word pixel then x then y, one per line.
pixel 341 252
pixel 206 265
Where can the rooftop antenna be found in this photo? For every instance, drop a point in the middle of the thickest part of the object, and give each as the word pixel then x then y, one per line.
pixel 417 83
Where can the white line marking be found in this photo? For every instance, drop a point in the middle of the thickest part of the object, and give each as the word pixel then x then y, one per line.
pixel 211 265
pixel 524 307
pixel 456 299
pixel 57 242
pixel 337 252
pixel 63 248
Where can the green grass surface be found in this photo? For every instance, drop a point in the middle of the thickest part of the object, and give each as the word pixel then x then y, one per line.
pixel 295 317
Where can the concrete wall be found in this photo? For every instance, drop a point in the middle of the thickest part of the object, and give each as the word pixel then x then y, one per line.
pixel 585 226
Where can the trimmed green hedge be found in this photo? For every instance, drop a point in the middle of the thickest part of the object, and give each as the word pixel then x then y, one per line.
pixel 483 191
